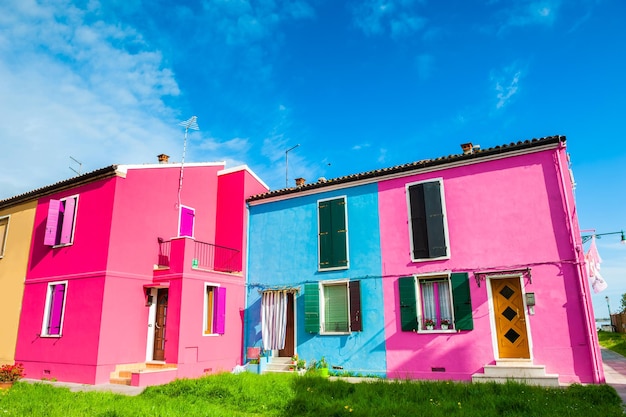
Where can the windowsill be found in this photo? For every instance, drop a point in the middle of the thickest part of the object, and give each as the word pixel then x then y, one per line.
pixel 62 245
pixel 334 333
pixel 211 334
pixel 437 331
pixel 441 258
pixel 53 336
pixel 334 268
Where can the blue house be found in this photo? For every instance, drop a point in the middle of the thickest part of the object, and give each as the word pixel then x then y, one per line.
pixel 314 276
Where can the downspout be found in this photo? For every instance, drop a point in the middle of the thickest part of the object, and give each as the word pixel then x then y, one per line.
pixel 596 359
pixel 245 288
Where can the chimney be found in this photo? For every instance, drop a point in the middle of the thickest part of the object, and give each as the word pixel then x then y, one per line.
pixel 163 159
pixel 300 182
pixel 467 148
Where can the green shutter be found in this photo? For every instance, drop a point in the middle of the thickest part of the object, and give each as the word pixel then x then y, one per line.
pixel 338 227
pixel 418 222
pixel 311 308
pixel 462 302
pixel 356 324
pixel 434 220
pixel 408 304
pixel 325 238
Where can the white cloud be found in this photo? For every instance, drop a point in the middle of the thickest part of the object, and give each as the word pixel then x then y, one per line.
pixel 398 18
pixel 506 84
pixel 529 12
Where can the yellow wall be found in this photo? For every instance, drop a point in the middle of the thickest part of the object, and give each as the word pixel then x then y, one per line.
pixel 12 273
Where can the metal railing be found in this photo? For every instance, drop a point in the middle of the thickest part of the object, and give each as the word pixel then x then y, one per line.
pixel 216 258
pixel 165 248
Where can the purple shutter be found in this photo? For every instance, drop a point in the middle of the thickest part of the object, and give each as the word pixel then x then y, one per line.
pixel 68 220
pixel 186 222
pixel 56 309
pixel 52 223
pixel 220 310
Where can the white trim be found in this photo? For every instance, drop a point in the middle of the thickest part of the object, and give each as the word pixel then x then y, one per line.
pixel 492 315
pixel 408 173
pixel 204 308
pixel 193 226
pixel 345 212
pixel 445 219
pixel 151 325
pixel 74 220
pixel 243 168
pixel 322 306
pixel 123 169
pixel 447 275
pixel 6 234
pixel 47 307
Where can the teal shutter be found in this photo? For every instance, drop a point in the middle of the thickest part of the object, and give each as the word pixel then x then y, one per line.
pixel 325 236
pixel 338 225
pixel 311 308
pixel 462 301
pixel 408 304
pixel 434 220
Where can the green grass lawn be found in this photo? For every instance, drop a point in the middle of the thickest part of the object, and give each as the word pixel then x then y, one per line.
pixel 290 395
pixel 613 341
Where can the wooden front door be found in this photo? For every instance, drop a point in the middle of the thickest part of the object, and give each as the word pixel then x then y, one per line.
pixel 159 325
pixel 510 318
pixel 289 349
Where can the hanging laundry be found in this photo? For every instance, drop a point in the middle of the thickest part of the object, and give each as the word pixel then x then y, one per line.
pixel 593 262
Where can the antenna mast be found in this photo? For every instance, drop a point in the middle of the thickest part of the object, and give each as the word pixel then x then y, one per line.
pixel 80 165
pixel 187 124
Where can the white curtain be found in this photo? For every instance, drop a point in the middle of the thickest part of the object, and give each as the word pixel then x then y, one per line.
pixel 445 307
pixel 428 296
pixel 274 319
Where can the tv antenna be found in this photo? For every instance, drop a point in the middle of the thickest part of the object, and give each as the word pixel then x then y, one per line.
pixel 192 124
pixel 80 165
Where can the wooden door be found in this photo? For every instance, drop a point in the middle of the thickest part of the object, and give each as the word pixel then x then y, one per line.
pixel 510 318
pixel 159 324
pixel 289 349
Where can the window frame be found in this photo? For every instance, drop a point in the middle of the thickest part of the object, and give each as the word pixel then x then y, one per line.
pixel 420 302
pixel 219 309
pixel 45 325
pixel 444 215
pixel 59 225
pixel 315 307
pixel 4 236
pixel 335 266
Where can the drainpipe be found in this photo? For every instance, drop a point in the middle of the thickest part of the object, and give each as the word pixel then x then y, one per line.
pixel 596 358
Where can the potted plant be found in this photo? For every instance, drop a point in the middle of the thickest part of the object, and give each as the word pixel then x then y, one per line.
pixel 322 367
pixel 294 359
pixel 445 324
pixel 9 374
pixel 429 324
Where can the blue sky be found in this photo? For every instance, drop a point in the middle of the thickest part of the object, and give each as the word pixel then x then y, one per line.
pixel 360 85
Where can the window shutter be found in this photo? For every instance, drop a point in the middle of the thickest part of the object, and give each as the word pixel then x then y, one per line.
pixel 69 213
pixel 356 325
pixel 408 304
pixel 434 220
pixel 52 223
pixel 338 227
pixel 325 234
pixel 186 222
pixel 418 222
pixel 220 310
pixel 56 309
pixel 462 301
pixel 4 225
pixel 311 308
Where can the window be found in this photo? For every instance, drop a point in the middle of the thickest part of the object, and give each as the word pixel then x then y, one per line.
pixel 436 298
pixel 4 231
pixel 55 309
pixel 332 307
pixel 214 309
pixel 61 221
pixel 332 234
pixel 427 220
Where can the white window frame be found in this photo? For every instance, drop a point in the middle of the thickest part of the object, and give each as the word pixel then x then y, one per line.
pixel 418 296
pixel 322 306
pixel 205 309
pixel 445 219
pixel 3 242
pixel 71 242
pixel 46 315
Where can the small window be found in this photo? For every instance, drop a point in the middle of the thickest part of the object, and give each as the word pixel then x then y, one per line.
pixel 332 234
pixel 427 220
pixel 333 307
pixel 4 232
pixel 435 303
pixel 55 309
pixel 214 309
pixel 61 221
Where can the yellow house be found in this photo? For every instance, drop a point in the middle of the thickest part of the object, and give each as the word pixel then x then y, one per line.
pixel 16 229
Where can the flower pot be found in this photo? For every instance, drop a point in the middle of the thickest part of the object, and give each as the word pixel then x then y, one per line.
pixel 323 372
pixel 444 327
pixel 5 385
pixel 430 327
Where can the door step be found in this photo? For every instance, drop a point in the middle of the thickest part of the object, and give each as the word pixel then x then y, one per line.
pixel 123 373
pixel 520 371
pixel 277 365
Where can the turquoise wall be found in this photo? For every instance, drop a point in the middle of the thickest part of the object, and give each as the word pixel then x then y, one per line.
pixel 282 252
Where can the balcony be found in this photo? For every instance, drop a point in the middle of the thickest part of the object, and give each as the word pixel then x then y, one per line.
pixel 206 256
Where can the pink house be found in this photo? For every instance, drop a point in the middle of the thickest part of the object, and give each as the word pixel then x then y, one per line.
pixel 483 273
pixel 136 274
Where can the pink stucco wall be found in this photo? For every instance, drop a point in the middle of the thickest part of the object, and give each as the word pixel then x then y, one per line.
pixel 501 214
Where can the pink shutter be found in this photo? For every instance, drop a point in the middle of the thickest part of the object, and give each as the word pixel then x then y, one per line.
pixel 220 310
pixel 68 220
pixel 56 309
pixel 186 222
pixel 52 223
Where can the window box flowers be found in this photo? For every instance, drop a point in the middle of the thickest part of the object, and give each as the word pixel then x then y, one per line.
pixel 445 324
pixel 429 324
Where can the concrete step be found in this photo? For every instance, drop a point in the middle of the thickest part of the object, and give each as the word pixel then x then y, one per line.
pixel 544 381
pixel 120 381
pixel 520 370
pixel 525 371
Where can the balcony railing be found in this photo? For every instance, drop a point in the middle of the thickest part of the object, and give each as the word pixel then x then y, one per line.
pixel 205 256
